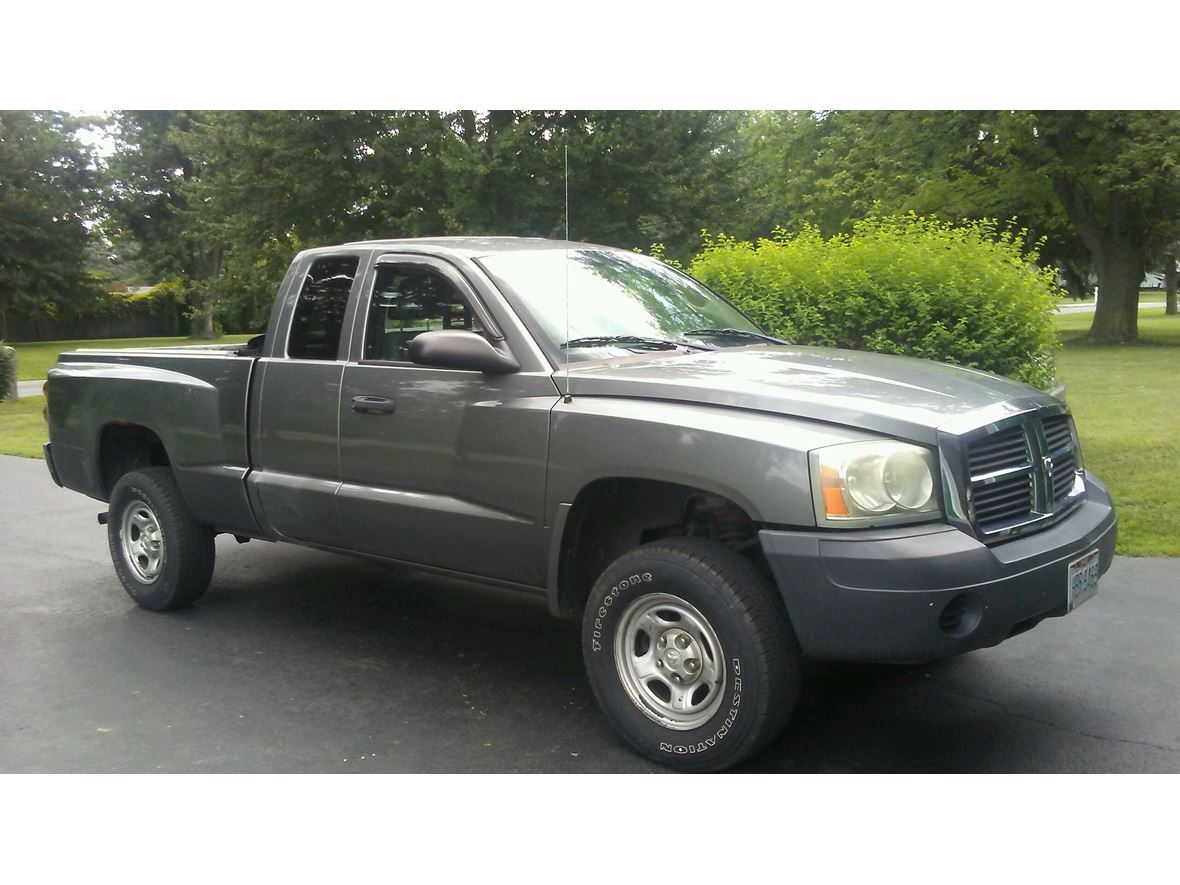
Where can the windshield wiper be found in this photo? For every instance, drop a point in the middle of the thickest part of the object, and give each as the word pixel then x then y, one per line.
pixel 736 333
pixel 633 341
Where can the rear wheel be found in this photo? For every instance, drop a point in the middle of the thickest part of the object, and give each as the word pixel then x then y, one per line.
pixel 163 557
pixel 690 655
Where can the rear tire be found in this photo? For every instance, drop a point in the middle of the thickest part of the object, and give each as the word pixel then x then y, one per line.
pixel 690 654
pixel 163 557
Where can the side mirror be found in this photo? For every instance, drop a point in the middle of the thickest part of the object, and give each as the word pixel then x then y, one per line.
pixel 457 349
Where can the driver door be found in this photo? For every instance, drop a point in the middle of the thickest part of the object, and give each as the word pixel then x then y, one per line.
pixel 441 467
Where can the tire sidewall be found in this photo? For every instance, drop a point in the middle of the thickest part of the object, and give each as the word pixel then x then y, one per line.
pixel 726 734
pixel 159 593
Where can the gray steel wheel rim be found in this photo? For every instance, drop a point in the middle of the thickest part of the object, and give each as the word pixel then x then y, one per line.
pixel 142 540
pixel 658 677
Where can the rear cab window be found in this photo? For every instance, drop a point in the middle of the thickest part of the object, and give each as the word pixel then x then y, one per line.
pixel 319 313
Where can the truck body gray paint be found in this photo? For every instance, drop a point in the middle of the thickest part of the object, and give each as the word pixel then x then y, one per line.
pixel 476 474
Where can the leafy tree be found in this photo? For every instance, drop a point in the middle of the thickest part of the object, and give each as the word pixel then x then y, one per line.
pixel 648 176
pixel 271 183
pixel 635 177
pixel 46 197
pixel 1100 188
pixel 1117 176
pixel 148 206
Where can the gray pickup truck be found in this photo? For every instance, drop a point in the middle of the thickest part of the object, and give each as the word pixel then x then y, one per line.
pixel 597 428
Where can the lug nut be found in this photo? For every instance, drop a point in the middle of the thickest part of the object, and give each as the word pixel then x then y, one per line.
pixel 690 665
pixel 682 641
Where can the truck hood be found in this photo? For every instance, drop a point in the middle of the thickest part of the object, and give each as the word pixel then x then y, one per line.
pixel 901 397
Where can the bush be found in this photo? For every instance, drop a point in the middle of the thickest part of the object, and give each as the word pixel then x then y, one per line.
pixel 7 370
pixel 970 295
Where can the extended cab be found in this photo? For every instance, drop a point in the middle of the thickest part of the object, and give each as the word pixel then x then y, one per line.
pixel 597 428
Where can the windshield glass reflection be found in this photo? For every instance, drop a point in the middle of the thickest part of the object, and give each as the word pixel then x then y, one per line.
pixel 612 295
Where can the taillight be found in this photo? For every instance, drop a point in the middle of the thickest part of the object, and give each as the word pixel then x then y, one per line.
pixel 45 410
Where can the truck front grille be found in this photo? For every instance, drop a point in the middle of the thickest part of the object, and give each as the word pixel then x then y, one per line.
pixel 1059 440
pixel 1022 474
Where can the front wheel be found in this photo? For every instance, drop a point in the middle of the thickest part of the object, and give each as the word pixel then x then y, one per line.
pixel 689 654
pixel 163 557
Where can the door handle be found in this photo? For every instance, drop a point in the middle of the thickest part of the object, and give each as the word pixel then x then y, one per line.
pixel 373 405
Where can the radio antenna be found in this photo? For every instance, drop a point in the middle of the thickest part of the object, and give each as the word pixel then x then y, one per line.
pixel 566 147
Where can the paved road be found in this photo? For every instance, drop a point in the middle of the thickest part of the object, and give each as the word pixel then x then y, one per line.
pixel 303 661
pixel 29 388
pixel 1090 306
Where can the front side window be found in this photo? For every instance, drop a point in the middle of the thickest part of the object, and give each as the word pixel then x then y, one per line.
pixel 319 314
pixel 409 299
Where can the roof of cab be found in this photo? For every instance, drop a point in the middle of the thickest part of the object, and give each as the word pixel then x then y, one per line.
pixel 470 247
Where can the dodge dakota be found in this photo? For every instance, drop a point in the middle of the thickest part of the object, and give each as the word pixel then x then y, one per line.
pixel 597 428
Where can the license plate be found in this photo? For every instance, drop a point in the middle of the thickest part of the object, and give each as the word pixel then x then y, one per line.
pixel 1083 579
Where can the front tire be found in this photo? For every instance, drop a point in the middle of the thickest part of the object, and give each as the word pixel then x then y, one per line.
pixel 163 557
pixel 690 655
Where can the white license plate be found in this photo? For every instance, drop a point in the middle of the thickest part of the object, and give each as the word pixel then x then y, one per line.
pixel 1083 579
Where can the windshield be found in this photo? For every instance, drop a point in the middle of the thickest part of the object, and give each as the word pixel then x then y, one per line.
pixel 615 300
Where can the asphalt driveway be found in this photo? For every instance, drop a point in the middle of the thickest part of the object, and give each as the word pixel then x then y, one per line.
pixel 304 661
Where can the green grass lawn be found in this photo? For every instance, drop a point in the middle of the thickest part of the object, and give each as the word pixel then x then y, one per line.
pixel 22 429
pixel 1129 421
pixel 34 360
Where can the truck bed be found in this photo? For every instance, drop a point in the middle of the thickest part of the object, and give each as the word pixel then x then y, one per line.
pixel 193 398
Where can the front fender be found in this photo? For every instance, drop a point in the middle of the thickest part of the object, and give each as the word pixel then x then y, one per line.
pixel 758 460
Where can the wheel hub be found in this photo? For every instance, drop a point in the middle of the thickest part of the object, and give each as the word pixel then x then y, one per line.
pixel 680 655
pixel 670 661
pixel 142 541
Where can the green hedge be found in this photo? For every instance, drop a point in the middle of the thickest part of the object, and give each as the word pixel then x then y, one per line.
pixel 153 314
pixel 968 294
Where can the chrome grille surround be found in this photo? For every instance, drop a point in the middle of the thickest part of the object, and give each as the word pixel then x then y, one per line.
pixel 1017 474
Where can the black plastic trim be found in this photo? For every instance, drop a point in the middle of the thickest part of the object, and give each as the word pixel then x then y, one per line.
pixel 879 595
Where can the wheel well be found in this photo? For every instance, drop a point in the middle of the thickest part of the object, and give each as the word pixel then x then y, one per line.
pixel 611 516
pixel 126 447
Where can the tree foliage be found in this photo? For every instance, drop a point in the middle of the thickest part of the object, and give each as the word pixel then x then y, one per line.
pixel 1100 188
pixel 262 184
pixel 148 204
pixel 271 183
pixel 220 201
pixel 46 196
pixel 1117 177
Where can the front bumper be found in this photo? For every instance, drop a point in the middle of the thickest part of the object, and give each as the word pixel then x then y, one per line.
pixel 924 592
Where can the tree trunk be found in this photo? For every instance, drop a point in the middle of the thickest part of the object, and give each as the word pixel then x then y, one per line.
pixel 1170 278
pixel 209 265
pixel 206 316
pixel 1075 282
pixel 1115 245
pixel 1120 270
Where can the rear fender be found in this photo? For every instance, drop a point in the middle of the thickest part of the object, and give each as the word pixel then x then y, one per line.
pixel 199 420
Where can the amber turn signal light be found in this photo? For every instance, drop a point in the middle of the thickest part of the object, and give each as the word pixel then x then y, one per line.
pixel 834 502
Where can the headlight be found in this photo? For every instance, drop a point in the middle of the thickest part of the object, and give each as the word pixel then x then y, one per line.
pixel 873 483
